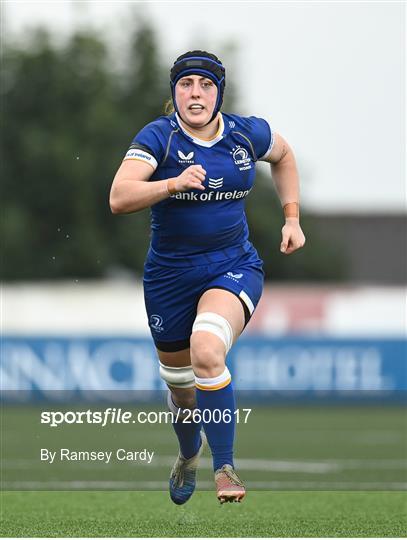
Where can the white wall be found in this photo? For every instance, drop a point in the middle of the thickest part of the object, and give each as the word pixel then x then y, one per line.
pixel 106 308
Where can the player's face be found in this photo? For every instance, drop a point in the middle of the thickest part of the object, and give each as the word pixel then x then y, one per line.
pixel 196 99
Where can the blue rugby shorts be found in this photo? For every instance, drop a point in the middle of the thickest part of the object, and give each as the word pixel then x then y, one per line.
pixel 171 295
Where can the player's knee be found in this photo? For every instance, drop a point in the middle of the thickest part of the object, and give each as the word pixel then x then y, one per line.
pixel 207 355
pixel 211 339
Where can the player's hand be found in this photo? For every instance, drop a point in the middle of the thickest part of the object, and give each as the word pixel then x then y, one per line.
pixel 292 236
pixel 191 178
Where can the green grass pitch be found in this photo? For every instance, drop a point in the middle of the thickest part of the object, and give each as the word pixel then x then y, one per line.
pixel 351 460
pixel 151 514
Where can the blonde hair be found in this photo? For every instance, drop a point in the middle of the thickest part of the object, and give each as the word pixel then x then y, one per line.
pixel 169 107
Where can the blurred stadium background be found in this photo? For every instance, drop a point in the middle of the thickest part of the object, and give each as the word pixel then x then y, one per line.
pixel 327 345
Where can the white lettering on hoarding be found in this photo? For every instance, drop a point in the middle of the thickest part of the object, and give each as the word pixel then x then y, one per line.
pixel 310 368
pixel 74 366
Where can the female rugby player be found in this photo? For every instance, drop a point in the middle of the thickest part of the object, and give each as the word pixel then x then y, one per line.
pixel 202 278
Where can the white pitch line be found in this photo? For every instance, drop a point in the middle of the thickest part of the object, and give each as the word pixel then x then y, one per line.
pixel 204 463
pixel 264 465
pixel 203 485
pixel 370 464
pixel 310 467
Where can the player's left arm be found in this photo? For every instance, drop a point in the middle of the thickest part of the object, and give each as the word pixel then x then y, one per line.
pixel 286 179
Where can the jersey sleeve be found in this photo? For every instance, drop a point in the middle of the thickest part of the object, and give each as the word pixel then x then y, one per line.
pixel 261 135
pixel 148 145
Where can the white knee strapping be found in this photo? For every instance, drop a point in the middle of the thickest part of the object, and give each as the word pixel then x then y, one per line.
pixel 180 377
pixel 216 324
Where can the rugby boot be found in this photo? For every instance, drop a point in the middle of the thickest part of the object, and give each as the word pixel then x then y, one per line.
pixel 229 487
pixel 183 475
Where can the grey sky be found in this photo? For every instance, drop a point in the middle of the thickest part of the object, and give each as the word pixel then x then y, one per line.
pixel 328 75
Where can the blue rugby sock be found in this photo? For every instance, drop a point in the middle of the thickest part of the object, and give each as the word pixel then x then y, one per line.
pixel 212 394
pixel 188 433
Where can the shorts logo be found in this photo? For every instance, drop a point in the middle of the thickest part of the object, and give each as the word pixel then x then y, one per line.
pixel 232 124
pixel 189 158
pixel 241 158
pixel 215 183
pixel 156 322
pixel 233 277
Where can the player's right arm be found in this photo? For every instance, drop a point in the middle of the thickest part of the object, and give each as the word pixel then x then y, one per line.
pixel 131 191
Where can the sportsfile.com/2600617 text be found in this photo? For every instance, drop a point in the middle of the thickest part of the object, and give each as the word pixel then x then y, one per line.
pixel 113 415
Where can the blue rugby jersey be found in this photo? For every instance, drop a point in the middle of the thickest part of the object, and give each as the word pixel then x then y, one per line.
pixel 200 227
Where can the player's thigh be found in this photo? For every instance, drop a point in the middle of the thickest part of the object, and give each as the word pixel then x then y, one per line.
pixel 175 359
pixel 226 304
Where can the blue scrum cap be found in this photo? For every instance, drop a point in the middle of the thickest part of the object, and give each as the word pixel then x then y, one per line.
pixel 199 63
